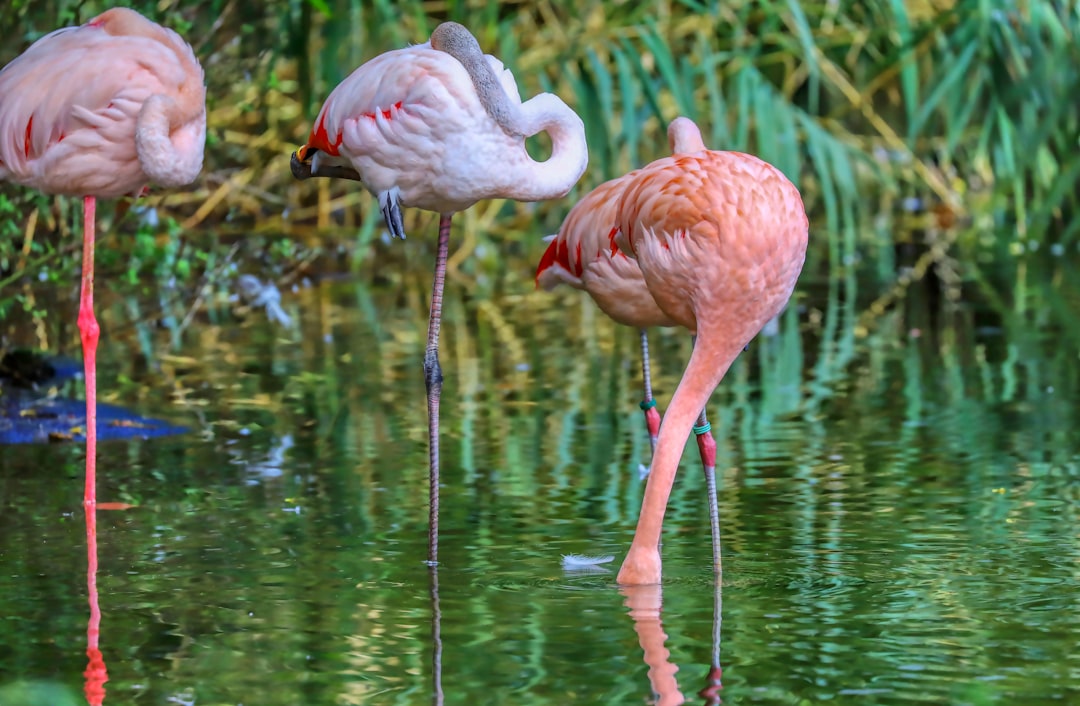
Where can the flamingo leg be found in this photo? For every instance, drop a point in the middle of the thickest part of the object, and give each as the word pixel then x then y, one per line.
pixel 433 378
pixel 89 331
pixel 707 450
pixel 648 404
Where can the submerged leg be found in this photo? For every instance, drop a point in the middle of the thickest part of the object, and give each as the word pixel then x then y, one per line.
pixel 648 403
pixel 89 331
pixel 707 449
pixel 714 679
pixel 433 379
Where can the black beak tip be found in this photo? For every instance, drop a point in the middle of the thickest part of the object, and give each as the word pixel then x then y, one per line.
pixel 301 169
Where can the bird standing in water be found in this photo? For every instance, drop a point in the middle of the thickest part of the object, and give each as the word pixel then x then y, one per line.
pixel 440 126
pixel 720 238
pixel 100 111
pixel 583 255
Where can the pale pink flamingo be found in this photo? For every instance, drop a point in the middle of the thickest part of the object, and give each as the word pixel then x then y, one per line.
pixel 584 256
pixel 440 126
pixel 720 238
pixel 100 111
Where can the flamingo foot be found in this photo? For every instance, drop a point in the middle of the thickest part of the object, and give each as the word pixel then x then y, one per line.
pixel 640 567
pixel 390 205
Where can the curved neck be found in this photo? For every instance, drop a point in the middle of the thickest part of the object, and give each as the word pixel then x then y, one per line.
pixel 708 364
pixel 554 177
pixel 543 113
pixel 170 146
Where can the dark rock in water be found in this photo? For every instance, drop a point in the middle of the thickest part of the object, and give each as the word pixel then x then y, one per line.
pixel 27 417
pixel 26 369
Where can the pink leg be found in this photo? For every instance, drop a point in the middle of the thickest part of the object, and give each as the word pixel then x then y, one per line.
pixel 89 330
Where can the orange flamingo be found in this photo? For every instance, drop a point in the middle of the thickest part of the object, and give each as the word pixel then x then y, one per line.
pixel 440 126
pixel 583 255
pixel 720 238
pixel 99 111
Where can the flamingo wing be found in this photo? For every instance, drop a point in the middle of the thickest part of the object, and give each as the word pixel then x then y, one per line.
pixel 411 120
pixel 584 236
pixel 711 223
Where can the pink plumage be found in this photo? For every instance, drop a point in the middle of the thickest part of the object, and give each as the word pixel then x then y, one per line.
pixel 103 109
pixel 720 238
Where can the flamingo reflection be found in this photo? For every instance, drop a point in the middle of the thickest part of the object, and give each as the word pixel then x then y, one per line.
pixel 436 637
pixel 96 675
pixel 645 604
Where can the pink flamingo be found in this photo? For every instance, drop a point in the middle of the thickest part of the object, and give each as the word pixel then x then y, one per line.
pixel 99 111
pixel 720 238
pixel 583 255
pixel 440 126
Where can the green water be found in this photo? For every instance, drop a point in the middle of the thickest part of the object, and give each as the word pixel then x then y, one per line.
pixel 899 511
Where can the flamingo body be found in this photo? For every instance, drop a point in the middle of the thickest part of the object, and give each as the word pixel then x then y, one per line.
pixel 103 109
pixel 720 238
pixel 719 233
pixel 441 134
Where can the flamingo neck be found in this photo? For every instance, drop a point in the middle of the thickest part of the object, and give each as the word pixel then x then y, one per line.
pixel 170 147
pixel 458 42
pixel 708 364
pixel 684 136
pixel 537 181
pixel 554 177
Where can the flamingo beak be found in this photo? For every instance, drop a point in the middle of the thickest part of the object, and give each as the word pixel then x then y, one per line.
pixel 305 164
pixel 301 163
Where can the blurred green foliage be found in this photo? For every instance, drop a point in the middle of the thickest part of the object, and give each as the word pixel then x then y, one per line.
pixel 917 124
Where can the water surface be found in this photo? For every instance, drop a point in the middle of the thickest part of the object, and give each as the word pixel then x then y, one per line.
pixel 899 512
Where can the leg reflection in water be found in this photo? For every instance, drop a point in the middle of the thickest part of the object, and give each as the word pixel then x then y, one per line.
pixel 645 607
pixel 644 603
pixel 95 674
